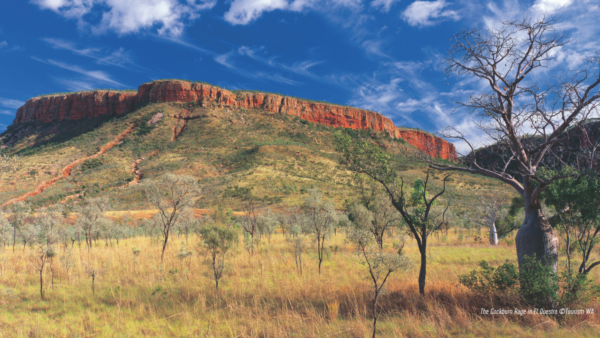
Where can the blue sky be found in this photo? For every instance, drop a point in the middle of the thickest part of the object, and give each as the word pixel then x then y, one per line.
pixel 383 55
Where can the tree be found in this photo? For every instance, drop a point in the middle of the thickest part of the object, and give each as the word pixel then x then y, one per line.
pixel 171 195
pixel 5 230
pixel 91 217
pixel 374 212
pixel 530 124
pixel 218 241
pixel 420 213
pixel 579 222
pixel 266 224
pixel 319 219
pixel 249 221
pixel 187 223
pixel 381 264
pixel 17 218
pixel 488 212
pixel 45 236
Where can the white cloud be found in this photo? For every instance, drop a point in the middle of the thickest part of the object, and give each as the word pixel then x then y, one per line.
pixel 428 13
pixel 550 6
pixel 75 85
pixel 224 60
pixel 9 103
pixel 119 57
pixel 242 12
pixel 3 44
pixel 383 5
pixel 6 112
pixel 97 75
pixel 131 16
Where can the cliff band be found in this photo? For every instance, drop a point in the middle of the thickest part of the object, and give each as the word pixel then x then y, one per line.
pixel 56 108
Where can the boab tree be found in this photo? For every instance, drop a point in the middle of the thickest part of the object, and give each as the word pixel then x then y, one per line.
pixel 530 123
pixel 171 195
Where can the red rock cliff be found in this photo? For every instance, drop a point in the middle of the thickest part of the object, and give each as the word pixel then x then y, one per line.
pixel 99 103
pixel 56 108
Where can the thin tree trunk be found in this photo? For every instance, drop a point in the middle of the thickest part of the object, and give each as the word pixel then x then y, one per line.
pixel 493 234
pixel 423 270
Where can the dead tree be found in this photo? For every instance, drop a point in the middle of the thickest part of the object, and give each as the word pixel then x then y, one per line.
pixel 529 123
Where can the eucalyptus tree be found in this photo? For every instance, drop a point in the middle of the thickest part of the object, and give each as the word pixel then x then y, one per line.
pixel 422 214
pixel 171 195
pixel 319 219
pixel 46 235
pixel 218 241
pixel 380 263
pixel 17 217
pixel 91 217
pixel 530 123
pixel 5 230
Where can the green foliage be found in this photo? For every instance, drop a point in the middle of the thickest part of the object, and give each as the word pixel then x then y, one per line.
pixel 142 125
pixel 91 164
pixel 488 280
pixel 538 283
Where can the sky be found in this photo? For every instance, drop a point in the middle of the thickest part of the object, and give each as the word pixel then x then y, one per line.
pixel 381 55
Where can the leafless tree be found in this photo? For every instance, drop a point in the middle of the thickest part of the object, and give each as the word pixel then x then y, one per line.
pixel 171 195
pixel 530 123
pixel 487 212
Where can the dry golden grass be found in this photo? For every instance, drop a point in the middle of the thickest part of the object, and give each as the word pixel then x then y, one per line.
pixel 262 296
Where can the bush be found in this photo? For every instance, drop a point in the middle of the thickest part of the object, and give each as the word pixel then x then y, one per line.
pixel 537 285
pixel 489 280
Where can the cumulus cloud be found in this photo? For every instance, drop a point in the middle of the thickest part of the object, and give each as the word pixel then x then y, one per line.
pixel 131 16
pixel 428 13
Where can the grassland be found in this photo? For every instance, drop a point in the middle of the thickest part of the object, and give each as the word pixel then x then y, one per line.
pixel 260 296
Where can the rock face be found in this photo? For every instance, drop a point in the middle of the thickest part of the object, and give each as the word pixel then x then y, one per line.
pixel 76 106
pixel 99 103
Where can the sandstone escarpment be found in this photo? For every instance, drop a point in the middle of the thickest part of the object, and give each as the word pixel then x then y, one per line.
pixel 68 107
pixel 100 103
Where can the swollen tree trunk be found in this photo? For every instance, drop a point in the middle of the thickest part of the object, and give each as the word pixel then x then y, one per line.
pixel 536 237
pixel 493 234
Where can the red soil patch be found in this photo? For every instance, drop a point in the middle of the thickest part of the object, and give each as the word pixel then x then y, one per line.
pixel 66 172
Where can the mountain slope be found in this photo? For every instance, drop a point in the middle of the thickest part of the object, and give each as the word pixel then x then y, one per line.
pixel 279 156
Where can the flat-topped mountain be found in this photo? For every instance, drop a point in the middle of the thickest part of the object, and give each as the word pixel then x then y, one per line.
pixel 99 103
